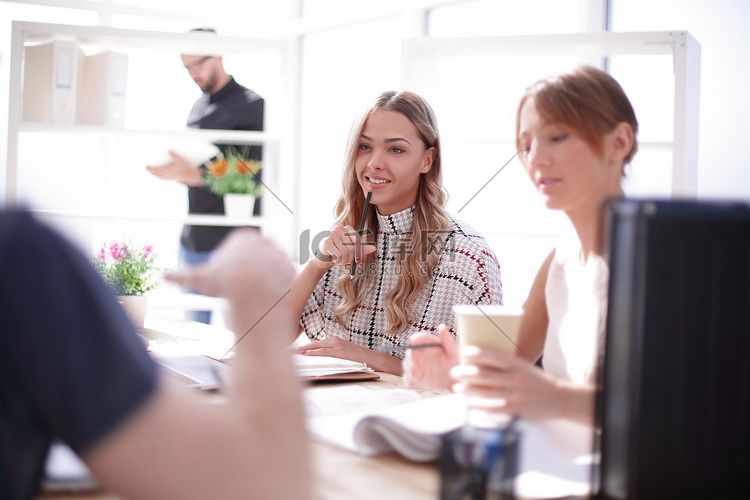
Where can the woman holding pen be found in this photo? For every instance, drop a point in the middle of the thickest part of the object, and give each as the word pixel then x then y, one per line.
pixel 365 292
pixel 575 132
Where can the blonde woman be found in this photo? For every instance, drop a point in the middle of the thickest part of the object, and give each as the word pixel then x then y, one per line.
pixel 413 262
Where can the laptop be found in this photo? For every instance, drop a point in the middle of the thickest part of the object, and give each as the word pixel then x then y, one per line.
pixel 195 371
pixel 64 471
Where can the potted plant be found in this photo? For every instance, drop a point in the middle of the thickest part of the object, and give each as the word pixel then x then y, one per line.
pixel 129 272
pixel 236 178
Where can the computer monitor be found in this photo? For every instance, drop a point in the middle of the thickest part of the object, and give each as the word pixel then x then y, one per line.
pixel 673 404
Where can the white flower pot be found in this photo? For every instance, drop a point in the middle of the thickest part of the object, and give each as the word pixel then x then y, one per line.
pixel 135 308
pixel 239 205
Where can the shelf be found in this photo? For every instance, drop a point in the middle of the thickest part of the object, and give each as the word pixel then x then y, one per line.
pixel 116 38
pixel 209 135
pixel 114 146
pixel 195 220
pixel 666 145
pixel 596 44
pixel 161 299
pixel 423 59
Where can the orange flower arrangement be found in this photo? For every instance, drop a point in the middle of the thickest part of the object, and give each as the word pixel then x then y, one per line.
pixel 219 167
pixel 244 166
pixel 233 174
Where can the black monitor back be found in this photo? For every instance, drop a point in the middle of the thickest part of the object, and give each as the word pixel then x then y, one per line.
pixel 674 398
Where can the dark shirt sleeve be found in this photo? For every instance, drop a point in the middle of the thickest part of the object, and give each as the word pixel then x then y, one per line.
pixel 71 365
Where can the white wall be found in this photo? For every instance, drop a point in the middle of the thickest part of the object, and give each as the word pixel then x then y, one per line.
pixel 339 75
pixel 721 27
pixel 346 67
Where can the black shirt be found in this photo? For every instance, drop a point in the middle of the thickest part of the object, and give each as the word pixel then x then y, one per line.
pixel 71 365
pixel 234 107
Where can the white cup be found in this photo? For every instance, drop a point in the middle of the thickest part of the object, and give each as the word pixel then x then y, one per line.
pixel 488 326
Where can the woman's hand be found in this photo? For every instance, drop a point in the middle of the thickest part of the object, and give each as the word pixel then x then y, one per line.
pixel 431 366
pixel 500 383
pixel 343 246
pixel 337 347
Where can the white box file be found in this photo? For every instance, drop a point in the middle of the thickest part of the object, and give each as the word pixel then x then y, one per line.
pixel 103 90
pixel 52 72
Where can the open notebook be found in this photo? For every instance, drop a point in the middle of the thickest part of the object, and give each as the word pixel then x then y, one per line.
pixel 325 368
pixel 206 373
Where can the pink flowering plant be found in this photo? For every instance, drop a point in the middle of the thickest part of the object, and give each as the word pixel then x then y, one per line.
pixel 126 269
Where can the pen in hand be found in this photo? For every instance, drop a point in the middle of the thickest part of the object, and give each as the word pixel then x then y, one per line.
pixel 361 228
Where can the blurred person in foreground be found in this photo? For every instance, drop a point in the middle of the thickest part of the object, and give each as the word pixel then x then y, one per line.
pixel 72 368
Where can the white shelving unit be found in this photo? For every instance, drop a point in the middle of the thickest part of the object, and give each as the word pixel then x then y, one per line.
pixel 478 82
pixel 421 62
pixel 279 199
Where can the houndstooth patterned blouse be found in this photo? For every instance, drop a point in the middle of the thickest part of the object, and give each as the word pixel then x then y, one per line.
pixel 468 273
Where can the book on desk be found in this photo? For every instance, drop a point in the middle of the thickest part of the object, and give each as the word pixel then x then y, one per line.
pixel 208 373
pixel 328 369
pixel 555 456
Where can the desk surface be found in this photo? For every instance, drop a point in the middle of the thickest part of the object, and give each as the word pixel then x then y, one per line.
pixel 343 475
pixel 338 474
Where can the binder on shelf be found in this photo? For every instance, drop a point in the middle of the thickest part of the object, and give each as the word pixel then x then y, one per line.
pixel 52 72
pixel 103 89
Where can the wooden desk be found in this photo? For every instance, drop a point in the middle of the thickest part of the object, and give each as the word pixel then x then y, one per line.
pixel 343 475
pixel 337 474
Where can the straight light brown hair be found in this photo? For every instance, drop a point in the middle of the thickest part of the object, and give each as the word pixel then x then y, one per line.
pixel 586 99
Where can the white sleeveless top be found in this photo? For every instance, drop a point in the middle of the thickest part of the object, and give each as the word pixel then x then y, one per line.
pixel 577 310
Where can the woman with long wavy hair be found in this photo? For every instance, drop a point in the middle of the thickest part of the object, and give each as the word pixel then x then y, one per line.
pixel 413 261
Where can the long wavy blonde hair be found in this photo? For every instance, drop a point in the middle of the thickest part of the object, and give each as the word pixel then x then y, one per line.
pixel 415 265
